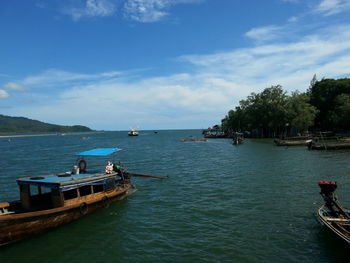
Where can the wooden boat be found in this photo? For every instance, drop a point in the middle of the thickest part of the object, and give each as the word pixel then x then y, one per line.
pixel 52 200
pixel 312 145
pixel 194 140
pixel 289 143
pixel 332 215
pixel 133 132
pixel 237 138
pixel 292 141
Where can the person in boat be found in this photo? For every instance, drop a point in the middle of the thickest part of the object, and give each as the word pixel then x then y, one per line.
pixel 75 169
pixel 125 177
pixel 109 168
pixel 118 169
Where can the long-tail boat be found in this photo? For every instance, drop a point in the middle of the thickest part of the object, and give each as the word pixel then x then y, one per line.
pixel 194 140
pixel 345 145
pixel 335 217
pixel 292 141
pixel 52 200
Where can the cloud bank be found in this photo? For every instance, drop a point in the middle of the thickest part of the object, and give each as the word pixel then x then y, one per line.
pixel 332 7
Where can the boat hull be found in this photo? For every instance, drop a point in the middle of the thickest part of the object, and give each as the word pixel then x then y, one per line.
pixel 290 142
pixel 334 146
pixel 15 227
pixel 339 226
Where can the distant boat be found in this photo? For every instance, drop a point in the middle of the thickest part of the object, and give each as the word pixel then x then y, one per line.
pixel 194 140
pixel 52 200
pixel 340 144
pixel 133 132
pixel 292 141
pixel 332 215
pixel 238 138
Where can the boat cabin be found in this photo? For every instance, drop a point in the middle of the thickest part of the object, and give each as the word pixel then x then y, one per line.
pixel 59 190
pixel 37 193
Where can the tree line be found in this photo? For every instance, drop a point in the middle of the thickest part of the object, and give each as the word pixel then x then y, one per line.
pixel 325 106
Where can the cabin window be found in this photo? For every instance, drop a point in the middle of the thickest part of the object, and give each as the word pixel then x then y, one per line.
pixel 45 190
pixel 85 190
pixel 110 184
pixel 40 197
pixel 98 188
pixel 70 194
pixel 34 190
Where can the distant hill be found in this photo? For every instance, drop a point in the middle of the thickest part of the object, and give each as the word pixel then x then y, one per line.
pixel 21 124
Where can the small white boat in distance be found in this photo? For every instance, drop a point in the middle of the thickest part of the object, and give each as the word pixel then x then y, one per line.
pixel 133 132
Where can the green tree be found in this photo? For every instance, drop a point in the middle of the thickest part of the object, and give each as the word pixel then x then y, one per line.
pixel 301 115
pixel 266 111
pixel 270 113
pixel 323 96
pixel 341 115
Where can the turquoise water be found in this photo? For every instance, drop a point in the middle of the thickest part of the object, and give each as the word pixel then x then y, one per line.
pixel 222 203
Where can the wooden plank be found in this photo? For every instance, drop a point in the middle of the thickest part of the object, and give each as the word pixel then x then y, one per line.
pixel 5 204
pixel 332 219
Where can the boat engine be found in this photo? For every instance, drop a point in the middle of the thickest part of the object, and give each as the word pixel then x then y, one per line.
pixel 331 200
pixel 327 187
pixel 327 192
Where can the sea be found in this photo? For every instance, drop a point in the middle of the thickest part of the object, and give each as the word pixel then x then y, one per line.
pixel 250 203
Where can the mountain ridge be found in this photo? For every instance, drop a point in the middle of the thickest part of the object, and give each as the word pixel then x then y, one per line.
pixel 24 125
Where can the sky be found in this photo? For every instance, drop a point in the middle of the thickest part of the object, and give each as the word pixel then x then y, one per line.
pixel 162 64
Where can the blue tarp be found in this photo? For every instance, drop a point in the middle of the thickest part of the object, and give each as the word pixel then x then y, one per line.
pixel 99 152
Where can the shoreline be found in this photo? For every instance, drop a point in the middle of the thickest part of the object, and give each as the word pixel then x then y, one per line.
pixel 42 134
pixel 28 135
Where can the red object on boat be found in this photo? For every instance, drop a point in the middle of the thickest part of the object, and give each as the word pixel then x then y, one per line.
pixel 327 186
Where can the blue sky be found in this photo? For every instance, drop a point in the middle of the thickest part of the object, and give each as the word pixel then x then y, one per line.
pixel 161 64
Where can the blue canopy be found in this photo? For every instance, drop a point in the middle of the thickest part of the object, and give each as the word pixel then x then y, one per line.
pixel 99 152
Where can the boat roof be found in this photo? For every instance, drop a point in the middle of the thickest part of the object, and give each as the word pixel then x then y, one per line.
pixel 65 181
pixel 99 152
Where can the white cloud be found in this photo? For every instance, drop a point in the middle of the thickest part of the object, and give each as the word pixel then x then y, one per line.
pixel 54 76
pixel 144 11
pixel 3 94
pixel 91 8
pixel 15 86
pixel 266 33
pixel 332 7
pixel 289 64
pixel 293 19
pixel 148 11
